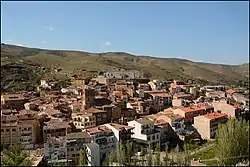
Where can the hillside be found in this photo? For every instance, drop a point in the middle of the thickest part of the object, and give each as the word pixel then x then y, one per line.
pixel 89 64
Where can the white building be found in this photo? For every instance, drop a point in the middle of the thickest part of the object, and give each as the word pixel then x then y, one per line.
pixel 144 130
pixel 56 150
pixel 93 154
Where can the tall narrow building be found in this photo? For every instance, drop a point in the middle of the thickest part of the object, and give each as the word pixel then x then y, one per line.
pixel 88 99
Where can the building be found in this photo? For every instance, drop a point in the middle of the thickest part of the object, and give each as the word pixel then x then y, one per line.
pixel 140 93
pixel 113 111
pixel 214 88
pixel 29 132
pixel 121 132
pixel 55 128
pixel 121 85
pixel 13 101
pixel 78 82
pixel 160 100
pixel 83 120
pixel 140 107
pixel 55 151
pixel 104 137
pixel 207 124
pixel 144 87
pixel 9 130
pixel 177 86
pixel 88 98
pixel 76 141
pixel 192 111
pixel 230 110
pixel 101 115
pixel 241 99
pixel 127 74
pixel 93 152
pixel 144 131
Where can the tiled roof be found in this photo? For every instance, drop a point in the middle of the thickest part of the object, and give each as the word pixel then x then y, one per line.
pixel 94 110
pixel 144 121
pixel 163 94
pixel 78 135
pixel 214 115
pixel 192 108
pixel 98 129
pixel 56 124
pixel 231 91
pixel 119 126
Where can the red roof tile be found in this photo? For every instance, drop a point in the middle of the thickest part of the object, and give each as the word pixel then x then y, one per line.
pixel 214 115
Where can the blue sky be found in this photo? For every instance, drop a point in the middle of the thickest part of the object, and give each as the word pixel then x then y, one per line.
pixel 214 32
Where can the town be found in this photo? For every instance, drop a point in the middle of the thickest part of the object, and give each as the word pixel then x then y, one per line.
pixel 115 107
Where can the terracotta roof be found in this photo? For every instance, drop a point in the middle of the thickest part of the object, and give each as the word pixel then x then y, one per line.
pixel 163 94
pixel 173 116
pixel 119 126
pixel 98 129
pixel 56 124
pixel 78 135
pixel 231 91
pixel 192 108
pixel 144 121
pixel 155 91
pixel 161 122
pixel 153 116
pixel 214 115
pixel 94 110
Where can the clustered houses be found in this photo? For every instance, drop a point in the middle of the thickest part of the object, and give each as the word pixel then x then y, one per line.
pixel 117 106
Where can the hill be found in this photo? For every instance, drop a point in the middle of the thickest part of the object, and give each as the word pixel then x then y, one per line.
pixel 89 64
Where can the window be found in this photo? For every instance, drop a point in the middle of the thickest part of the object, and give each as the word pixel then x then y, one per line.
pixel 148 138
pixel 13 130
pixel 153 137
pixel 7 130
pixel 2 130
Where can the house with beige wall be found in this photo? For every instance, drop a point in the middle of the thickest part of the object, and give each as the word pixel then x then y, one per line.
pixel 84 120
pixel 192 111
pixel 230 110
pixel 207 124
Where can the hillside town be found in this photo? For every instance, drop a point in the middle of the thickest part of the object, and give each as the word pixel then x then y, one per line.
pixel 117 106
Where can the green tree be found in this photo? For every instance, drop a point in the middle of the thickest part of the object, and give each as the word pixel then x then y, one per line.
pixel 158 155
pixel 166 159
pixel 82 158
pixel 149 156
pixel 129 152
pixel 16 155
pixel 122 153
pixel 232 142
pixel 111 158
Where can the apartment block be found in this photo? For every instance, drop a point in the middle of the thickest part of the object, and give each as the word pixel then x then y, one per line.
pixel 75 142
pixel 55 128
pixel 104 137
pixel 230 110
pixel 207 124
pixel 192 111
pixel 144 131
pixel 56 151
pixel 9 130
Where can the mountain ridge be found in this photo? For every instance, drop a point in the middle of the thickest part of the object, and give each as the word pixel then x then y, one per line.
pixel 118 53
pixel 89 64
